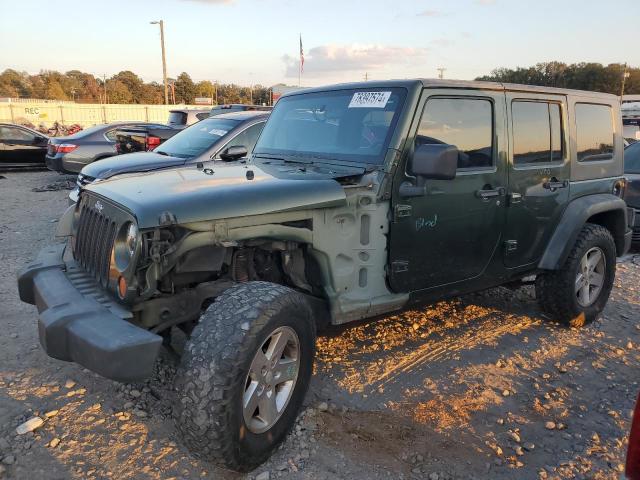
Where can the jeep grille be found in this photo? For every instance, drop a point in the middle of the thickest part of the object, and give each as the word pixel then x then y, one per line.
pixel 94 242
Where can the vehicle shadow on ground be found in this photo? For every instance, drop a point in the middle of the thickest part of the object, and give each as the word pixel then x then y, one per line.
pixel 456 380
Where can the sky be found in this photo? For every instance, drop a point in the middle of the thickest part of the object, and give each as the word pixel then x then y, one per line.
pixel 257 41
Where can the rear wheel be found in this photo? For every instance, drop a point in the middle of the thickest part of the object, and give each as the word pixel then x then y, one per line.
pixel 577 293
pixel 244 374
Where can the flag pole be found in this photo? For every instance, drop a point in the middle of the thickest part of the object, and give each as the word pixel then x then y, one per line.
pixel 300 61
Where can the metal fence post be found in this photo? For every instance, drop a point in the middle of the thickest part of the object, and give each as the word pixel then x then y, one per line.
pixel 61 115
pixel 11 112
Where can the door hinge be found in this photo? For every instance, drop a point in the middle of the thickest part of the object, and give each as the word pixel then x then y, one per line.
pixel 399 266
pixel 402 211
pixel 510 246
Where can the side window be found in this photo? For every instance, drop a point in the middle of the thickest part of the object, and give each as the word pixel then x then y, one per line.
pixel 202 116
pixel 537 132
pixel 466 123
pixel 247 138
pixel 594 132
pixel 253 132
pixel 17 134
pixel 111 135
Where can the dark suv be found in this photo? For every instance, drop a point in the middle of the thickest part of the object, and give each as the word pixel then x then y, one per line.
pixel 359 200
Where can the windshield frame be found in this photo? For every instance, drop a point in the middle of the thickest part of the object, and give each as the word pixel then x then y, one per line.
pixel 378 161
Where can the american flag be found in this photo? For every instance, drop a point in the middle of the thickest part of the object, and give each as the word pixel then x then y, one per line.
pixel 301 56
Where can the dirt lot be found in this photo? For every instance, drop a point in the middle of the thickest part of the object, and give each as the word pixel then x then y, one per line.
pixel 475 387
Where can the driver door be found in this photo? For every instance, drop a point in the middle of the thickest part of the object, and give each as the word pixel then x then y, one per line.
pixel 447 231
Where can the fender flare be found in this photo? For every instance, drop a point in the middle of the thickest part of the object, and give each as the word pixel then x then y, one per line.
pixel 573 219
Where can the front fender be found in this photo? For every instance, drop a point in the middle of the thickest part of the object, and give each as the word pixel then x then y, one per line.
pixel 577 213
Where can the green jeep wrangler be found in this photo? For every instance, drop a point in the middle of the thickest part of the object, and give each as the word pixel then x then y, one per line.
pixel 358 200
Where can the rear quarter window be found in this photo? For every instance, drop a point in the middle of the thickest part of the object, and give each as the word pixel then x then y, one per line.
pixel 177 118
pixel 594 132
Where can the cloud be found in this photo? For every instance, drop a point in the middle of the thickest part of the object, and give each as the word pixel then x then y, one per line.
pixel 431 13
pixel 485 2
pixel 330 59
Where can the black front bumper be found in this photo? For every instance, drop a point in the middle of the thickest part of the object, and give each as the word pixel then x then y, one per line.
pixel 79 323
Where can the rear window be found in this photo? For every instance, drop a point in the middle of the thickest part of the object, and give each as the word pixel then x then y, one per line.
pixel 177 118
pixel 198 138
pixel 594 132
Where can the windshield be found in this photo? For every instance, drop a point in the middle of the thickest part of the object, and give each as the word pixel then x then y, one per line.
pixel 632 158
pixel 198 138
pixel 350 125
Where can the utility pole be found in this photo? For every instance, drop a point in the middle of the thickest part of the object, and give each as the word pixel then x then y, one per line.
pixel 625 75
pixel 366 76
pixel 441 71
pixel 104 84
pixel 164 60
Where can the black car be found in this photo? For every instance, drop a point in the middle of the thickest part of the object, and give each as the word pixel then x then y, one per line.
pixel 224 137
pixel 71 153
pixel 21 147
pixel 632 191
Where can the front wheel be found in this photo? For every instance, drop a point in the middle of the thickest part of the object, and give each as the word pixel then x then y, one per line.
pixel 244 374
pixel 577 293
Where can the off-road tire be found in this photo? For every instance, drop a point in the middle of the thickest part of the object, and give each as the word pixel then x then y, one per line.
pixel 555 290
pixel 211 378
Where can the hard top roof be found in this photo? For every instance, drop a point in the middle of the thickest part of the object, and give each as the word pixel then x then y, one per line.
pixel 446 83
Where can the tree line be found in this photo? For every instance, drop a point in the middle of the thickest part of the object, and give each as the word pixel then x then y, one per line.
pixel 125 87
pixel 582 76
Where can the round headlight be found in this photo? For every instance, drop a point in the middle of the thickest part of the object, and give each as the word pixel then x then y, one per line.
pixel 125 246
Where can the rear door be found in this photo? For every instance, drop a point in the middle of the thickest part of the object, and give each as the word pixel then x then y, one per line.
pixel 539 171
pixel 448 233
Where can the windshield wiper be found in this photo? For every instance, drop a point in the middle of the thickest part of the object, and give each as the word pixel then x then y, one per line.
pixel 161 152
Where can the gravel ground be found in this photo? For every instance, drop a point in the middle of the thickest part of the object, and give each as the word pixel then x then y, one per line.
pixel 475 387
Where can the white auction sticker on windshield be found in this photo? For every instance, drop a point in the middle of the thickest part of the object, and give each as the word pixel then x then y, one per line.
pixel 218 132
pixel 369 99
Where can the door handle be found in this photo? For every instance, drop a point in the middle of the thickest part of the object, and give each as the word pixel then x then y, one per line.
pixel 553 184
pixel 487 192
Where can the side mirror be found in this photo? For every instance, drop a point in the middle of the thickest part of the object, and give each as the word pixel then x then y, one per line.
pixel 234 153
pixel 435 161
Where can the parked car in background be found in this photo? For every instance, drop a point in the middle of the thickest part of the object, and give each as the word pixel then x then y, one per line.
pixel 21 147
pixel 224 137
pixel 71 153
pixel 632 188
pixel 142 138
pixel 182 118
pixel 237 107
pixel 632 468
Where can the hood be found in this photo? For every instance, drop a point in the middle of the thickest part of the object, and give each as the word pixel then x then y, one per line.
pixel 130 162
pixel 632 190
pixel 189 194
